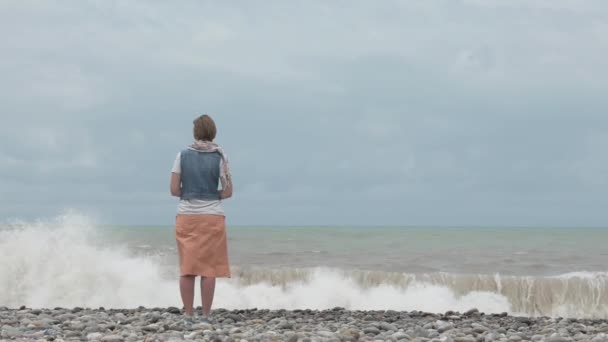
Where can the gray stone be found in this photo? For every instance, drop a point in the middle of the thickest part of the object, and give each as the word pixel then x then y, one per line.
pixel 34 336
pixel 173 310
pixel 349 334
pixel 420 332
pixel 465 339
pixel 388 326
pixel 153 317
pixel 133 337
pixel 38 324
pixel 371 330
pixel 202 326
pixel 400 335
pixel 421 339
pixel 600 338
pixel 94 336
pixel 130 320
pixel 324 333
pixel 50 332
pixel 558 338
pixel 234 317
pixel 472 312
pixel 443 326
pixel 9 331
pixel 491 337
pixel 112 338
pixel 65 317
pixel 69 333
pixel 478 328
pixel 193 335
pixel 285 325
pixel 151 328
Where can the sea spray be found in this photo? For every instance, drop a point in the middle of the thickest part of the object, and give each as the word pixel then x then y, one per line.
pixel 60 263
pixel 63 262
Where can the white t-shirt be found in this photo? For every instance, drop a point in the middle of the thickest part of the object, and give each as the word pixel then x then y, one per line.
pixel 197 206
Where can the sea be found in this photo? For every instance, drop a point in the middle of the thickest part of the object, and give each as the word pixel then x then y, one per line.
pixel 69 261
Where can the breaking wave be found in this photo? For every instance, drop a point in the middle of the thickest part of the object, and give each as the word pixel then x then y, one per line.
pixel 62 263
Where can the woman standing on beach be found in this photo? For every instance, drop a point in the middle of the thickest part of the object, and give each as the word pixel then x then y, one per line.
pixel 200 227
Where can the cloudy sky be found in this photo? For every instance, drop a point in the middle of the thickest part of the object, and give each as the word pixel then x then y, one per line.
pixel 454 112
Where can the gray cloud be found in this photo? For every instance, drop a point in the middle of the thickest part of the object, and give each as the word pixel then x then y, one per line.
pixel 447 112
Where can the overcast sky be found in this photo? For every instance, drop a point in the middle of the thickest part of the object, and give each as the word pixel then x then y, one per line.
pixel 332 112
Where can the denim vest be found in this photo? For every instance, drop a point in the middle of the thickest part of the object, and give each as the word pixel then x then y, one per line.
pixel 200 175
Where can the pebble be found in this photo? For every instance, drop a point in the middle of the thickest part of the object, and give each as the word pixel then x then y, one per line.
pixel 478 328
pixel 94 336
pixel 388 326
pixel 371 330
pixel 152 328
pixel 283 325
pixel 471 312
pixel 164 325
pixel 400 335
pixel 492 337
pixel 421 332
pixel 349 334
pixel 173 310
pixel 324 333
pixel 600 338
pixel 558 338
pixel 465 339
pixel 443 326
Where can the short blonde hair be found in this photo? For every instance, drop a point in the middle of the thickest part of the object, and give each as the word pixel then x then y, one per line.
pixel 204 128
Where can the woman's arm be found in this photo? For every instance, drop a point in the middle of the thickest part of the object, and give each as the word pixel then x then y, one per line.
pixel 176 182
pixel 226 187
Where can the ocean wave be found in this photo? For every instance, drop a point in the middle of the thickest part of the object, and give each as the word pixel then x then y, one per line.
pixel 61 263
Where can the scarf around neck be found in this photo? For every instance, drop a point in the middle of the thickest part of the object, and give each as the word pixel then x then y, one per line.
pixel 210 146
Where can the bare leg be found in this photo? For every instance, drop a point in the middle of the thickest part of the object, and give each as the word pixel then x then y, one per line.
pixel 186 289
pixel 207 293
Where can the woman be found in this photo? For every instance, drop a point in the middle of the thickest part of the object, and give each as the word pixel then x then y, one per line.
pixel 200 228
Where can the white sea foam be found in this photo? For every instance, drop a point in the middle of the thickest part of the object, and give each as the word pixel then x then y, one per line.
pixel 598 276
pixel 61 263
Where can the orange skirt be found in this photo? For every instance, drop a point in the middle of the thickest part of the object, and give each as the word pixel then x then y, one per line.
pixel 202 245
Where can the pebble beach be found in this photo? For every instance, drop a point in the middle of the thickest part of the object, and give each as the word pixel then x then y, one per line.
pixel 167 324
